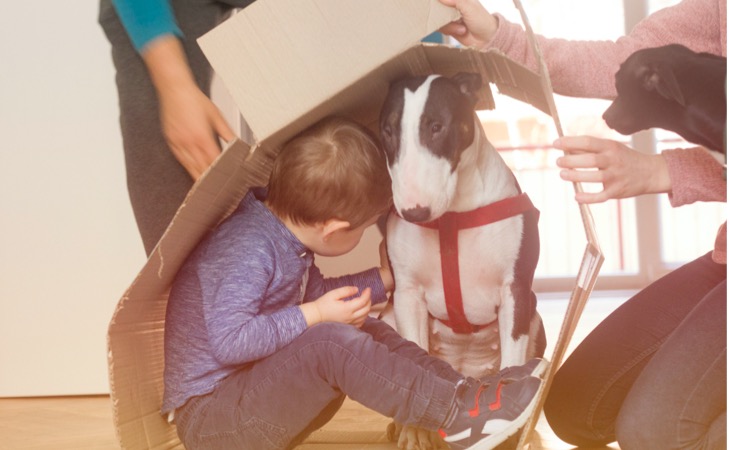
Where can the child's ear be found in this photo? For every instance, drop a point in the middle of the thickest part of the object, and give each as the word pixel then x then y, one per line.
pixel 331 226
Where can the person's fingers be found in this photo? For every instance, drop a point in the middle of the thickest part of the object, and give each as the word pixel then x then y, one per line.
pixel 583 176
pixel 592 197
pixel 579 161
pixel 361 301
pixel 186 160
pixel 456 29
pixel 363 311
pixel 222 128
pixel 587 144
pixel 360 306
pixel 202 156
pixel 342 292
pixel 206 152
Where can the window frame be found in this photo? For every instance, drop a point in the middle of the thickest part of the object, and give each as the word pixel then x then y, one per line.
pixel 648 212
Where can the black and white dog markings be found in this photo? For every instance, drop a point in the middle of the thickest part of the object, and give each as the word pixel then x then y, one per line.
pixel 463 240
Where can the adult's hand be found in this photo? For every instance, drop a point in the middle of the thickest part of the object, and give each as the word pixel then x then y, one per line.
pixel 624 172
pixel 476 26
pixel 190 121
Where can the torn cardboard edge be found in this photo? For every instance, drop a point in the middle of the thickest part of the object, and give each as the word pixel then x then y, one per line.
pixel 136 332
pixel 592 256
pixel 280 62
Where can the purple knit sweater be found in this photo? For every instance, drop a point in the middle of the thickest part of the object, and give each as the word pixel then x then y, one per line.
pixel 236 299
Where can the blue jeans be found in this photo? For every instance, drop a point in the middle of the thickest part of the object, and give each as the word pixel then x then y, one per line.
pixel 653 374
pixel 278 401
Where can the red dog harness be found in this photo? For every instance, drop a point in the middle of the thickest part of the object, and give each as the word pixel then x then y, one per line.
pixel 448 227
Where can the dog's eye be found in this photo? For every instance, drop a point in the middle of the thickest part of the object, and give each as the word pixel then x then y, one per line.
pixel 436 128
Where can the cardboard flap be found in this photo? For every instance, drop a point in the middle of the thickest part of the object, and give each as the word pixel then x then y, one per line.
pixel 510 77
pixel 135 337
pixel 276 74
pixel 209 201
pixel 362 99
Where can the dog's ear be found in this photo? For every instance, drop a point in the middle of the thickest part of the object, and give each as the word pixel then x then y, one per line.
pixel 469 85
pixel 660 78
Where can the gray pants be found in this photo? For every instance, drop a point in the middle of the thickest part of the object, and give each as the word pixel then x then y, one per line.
pixel 276 402
pixel 156 182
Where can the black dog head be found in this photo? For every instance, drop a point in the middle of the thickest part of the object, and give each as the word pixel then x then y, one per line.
pixel 673 88
pixel 426 125
pixel 445 122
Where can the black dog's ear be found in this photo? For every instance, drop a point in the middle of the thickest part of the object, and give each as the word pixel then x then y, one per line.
pixel 469 85
pixel 660 78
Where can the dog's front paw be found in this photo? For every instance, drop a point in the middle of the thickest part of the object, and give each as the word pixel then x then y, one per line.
pixel 414 438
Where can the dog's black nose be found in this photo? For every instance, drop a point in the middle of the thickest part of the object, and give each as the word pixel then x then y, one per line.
pixel 417 214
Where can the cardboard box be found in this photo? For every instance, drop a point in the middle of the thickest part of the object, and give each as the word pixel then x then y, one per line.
pixel 287 65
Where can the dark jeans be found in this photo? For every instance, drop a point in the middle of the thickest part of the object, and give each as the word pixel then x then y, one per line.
pixel 653 374
pixel 156 182
pixel 278 401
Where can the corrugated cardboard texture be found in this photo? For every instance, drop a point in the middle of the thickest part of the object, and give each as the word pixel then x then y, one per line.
pixel 135 339
pixel 281 58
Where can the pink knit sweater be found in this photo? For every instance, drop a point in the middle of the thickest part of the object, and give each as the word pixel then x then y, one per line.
pixel 587 69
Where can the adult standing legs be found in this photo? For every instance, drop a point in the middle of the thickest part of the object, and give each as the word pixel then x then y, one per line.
pixel 156 182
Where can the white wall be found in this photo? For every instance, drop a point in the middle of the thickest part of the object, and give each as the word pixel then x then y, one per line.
pixel 68 243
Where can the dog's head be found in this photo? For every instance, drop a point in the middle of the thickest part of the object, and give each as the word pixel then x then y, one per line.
pixel 649 92
pixel 674 88
pixel 426 123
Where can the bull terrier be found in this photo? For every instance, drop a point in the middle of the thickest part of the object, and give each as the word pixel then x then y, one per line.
pixel 462 238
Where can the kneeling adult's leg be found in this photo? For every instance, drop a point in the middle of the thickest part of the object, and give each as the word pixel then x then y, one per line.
pixel 679 400
pixel 590 387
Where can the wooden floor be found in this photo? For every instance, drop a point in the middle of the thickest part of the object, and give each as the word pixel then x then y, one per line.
pixel 85 423
pixel 81 423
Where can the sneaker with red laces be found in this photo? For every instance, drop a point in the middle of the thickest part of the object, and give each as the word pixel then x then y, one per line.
pixel 488 414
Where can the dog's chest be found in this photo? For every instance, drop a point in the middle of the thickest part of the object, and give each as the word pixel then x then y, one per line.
pixel 475 354
pixel 486 255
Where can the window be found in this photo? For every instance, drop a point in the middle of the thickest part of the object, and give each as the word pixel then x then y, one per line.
pixel 641 238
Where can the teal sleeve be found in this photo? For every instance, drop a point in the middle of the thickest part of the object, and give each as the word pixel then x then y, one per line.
pixel 146 20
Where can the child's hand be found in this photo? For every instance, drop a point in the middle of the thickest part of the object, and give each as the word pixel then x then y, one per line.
pixel 332 308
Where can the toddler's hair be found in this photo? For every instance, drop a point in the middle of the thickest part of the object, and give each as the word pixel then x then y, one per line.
pixel 333 170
